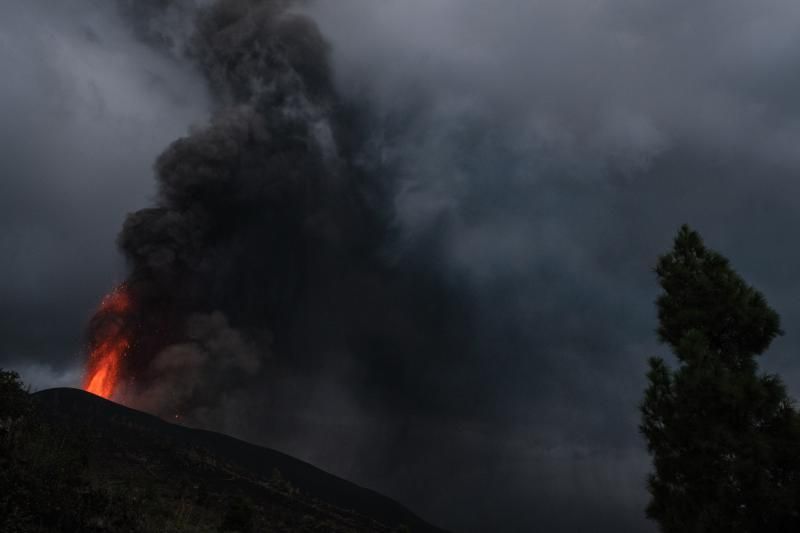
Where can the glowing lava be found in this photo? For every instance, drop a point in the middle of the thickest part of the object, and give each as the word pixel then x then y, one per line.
pixel 109 342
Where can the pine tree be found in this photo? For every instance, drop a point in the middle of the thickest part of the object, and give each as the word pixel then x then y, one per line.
pixel 725 439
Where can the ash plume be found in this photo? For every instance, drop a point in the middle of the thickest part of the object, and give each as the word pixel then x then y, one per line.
pixel 267 255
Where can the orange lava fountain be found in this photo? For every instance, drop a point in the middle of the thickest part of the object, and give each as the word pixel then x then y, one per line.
pixel 109 343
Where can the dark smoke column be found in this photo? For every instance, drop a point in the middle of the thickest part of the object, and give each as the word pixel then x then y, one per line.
pixel 268 271
pixel 247 208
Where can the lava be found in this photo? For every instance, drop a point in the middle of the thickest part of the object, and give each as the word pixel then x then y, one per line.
pixel 109 341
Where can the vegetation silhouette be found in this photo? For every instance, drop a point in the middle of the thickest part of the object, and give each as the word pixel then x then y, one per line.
pixel 71 461
pixel 725 439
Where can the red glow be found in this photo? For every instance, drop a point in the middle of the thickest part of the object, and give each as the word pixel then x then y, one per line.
pixel 109 343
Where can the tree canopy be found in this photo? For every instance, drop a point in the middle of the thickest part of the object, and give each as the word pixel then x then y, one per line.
pixel 725 439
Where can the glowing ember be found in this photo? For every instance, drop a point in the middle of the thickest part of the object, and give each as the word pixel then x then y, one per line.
pixel 109 342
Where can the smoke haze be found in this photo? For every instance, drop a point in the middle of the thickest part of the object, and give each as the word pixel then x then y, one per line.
pixel 410 242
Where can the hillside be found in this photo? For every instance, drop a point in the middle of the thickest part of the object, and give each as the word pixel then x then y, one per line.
pixel 150 475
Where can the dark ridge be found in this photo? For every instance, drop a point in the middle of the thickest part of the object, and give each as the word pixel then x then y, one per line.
pixel 140 432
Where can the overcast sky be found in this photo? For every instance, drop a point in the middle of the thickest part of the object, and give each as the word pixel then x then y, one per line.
pixel 85 108
pixel 553 147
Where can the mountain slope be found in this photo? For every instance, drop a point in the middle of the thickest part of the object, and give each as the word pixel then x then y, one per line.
pixel 213 477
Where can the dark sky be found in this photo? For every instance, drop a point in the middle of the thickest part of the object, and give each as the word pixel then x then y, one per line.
pixel 85 108
pixel 552 148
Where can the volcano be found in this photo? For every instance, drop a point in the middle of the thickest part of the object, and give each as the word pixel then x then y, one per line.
pixel 194 471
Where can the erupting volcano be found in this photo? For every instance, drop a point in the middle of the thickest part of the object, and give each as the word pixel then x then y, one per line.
pixel 110 339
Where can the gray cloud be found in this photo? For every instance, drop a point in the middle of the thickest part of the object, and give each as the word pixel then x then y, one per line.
pixel 557 146
pixel 606 80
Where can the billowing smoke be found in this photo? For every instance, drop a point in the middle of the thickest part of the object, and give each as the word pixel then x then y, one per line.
pixel 221 257
pixel 269 255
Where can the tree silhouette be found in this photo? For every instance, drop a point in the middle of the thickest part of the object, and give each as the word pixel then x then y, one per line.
pixel 725 439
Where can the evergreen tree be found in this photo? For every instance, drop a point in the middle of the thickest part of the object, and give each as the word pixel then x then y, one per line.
pixel 725 439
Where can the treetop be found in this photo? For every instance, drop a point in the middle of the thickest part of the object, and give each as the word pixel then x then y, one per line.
pixel 703 294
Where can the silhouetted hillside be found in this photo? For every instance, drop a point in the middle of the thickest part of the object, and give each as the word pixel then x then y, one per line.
pixel 185 479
